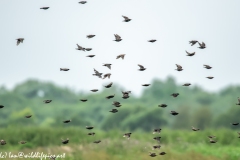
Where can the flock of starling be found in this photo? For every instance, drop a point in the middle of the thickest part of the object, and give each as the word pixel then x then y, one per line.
pixel 126 93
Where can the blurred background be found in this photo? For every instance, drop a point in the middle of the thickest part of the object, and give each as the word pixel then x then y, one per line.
pixel 31 73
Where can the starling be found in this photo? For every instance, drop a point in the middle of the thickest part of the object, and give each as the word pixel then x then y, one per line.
pixel 152 154
pixel 117 38
pixel 152 40
pixel 22 142
pixel 175 95
pixel 179 68
pixel 1 106
pixel 156 147
pixel 193 42
pixel 106 75
pixel 157 138
pixel 80 48
pixel 145 85
pixel 82 2
pixel 94 90
pixel 89 127
pixel 97 141
pixel 97 73
pixel 91 55
pixel 45 8
pixel 91 134
pixel 187 84
pixel 47 101
pixel 235 124
pixel 126 19
pixel 88 49
pixel 174 113
pixel 127 135
pixel 90 36
pixel 116 104
pixel 19 40
pixel 109 85
pixel 190 54
pixel 114 111
pixel 211 136
pixel 65 141
pixel 157 130
pixel 162 153
pixel 121 56
pixel 67 121
pixel 202 46
pixel 125 96
pixel 195 129
pixel 83 100
pixel 236 103
pixel 209 77
pixel 3 142
pixel 141 68
pixel 162 105
pixel 64 69
pixel 28 116
pixel 207 66
pixel 212 141
pixel 107 65
pixel 111 96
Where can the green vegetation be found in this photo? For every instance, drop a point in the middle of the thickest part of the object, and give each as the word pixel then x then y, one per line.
pixel 180 144
pixel 196 107
pixel 211 112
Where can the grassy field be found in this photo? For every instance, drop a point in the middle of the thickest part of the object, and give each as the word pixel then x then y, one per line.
pixel 178 144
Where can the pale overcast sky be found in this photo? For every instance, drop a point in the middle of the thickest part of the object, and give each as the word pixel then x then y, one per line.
pixel 51 37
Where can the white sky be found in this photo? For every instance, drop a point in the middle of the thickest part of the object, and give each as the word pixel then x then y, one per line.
pixel 51 37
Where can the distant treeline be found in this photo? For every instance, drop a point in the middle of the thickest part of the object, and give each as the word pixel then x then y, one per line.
pixel 196 107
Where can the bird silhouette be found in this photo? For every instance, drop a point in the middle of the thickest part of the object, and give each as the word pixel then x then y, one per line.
pixel 19 40
pixel 126 19
pixel 117 38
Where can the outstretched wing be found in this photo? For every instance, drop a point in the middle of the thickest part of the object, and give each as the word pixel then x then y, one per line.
pixel 178 66
pixel 203 44
pixel 125 17
pixel 96 71
pixel 140 66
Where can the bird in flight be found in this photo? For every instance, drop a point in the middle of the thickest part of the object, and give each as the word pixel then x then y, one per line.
pixel 90 36
pixel 126 19
pixel 190 54
pixel 152 40
pixel 106 75
pixel 179 67
pixel 193 42
pixel 207 66
pixel 107 65
pixel 19 40
pixel 82 2
pixel 120 56
pixel 141 67
pixel 117 38
pixel 80 48
pixel 45 8
pixel 97 73
pixel 202 46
